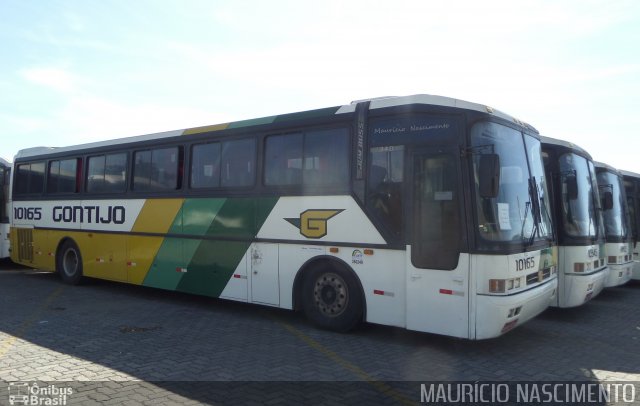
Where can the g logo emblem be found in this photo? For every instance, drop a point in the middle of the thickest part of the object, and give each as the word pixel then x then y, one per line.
pixel 313 223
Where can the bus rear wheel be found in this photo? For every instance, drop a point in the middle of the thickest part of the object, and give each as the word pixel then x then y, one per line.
pixel 331 298
pixel 69 263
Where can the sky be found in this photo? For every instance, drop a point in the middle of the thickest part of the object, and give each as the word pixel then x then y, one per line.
pixel 80 71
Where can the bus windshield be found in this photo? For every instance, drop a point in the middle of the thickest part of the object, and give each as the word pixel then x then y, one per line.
pixel 514 215
pixel 615 219
pixel 4 192
pixel 630 189
pixel 578 210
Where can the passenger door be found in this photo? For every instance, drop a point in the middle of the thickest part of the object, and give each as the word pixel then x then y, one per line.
pixel 437 274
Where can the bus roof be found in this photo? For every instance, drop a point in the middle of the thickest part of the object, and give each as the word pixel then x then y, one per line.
pixel 4 162
pixel 375 103
pixel 609 168
pixel 566 144
pixel 630 174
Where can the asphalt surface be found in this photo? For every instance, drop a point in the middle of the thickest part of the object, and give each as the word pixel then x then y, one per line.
pixel 113 343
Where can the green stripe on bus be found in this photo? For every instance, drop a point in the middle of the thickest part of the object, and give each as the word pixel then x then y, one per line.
pixel 305 115
pixel 198 215
pixel 212 266
pixel 194 218
pixel 214 262
pixel 252 122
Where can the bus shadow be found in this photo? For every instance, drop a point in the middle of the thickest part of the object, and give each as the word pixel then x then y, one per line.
pixel 168 338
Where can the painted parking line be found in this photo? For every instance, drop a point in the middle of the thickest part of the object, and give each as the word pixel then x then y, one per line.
pixel 381 387
pixel 7 343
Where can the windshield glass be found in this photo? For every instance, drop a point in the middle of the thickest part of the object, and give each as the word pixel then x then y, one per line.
pixel 594 185
pixel 615 222
pixel 578 211
pixel 534 154
pixel 629 186
pixel 510 215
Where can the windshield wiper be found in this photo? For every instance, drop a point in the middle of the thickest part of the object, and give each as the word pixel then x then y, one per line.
pixel 548 216
pixel 527 205
pixel 535 209
pixel 591 216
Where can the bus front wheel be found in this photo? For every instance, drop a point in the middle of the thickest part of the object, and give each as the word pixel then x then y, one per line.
pixel 331 298
pixel 69 263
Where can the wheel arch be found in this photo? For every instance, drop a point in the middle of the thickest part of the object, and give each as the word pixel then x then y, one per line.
pixel 71 276
pixel 63 241
pixel 319 261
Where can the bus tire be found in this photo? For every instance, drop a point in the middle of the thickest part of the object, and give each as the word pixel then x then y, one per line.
pixel 69 263
pixel 331 298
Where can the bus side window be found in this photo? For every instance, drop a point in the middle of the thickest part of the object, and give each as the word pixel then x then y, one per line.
pixel 238 163
pixel 326 157
pixel 62 176
pixel 115 173
pixel 157 169
pixel 107 173
pixel 283 160
pixel 95 174
pixel 205 165
pixel 384 194
pixel 30 178
pixel 315 158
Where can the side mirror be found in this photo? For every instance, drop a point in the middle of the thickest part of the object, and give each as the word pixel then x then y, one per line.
pixel 489 172
pixel 572 187
pixel 607 200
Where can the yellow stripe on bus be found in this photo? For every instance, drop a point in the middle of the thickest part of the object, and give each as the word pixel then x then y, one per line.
pixel 157 215
pixel 141 253
pixel 204 129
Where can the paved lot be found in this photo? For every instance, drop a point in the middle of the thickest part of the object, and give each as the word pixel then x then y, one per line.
pixel 116 343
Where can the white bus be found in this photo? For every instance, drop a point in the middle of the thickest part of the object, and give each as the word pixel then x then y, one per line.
pixel 632 189
pixel 5 202
pixel 575 208
pixel 422 212
pixel 615 214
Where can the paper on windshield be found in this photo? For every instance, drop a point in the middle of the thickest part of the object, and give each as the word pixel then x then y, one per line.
pixel 504 221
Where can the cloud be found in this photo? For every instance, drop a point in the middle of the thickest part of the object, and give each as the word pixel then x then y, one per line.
pixel 56 79
pixel 74 22
pixel 23 124
pixel 91 118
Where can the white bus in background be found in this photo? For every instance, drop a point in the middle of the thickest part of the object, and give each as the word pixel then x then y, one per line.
pixel 423 212
pixel 632 189
pixel 615 214
pixel 575 207
pixel 5 203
